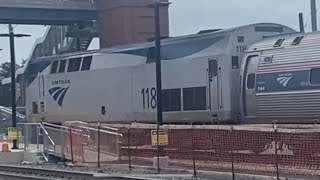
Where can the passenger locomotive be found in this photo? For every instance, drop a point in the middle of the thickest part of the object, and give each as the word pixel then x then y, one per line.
pixel 200 79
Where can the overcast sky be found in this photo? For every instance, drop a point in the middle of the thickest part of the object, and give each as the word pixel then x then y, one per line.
pixel 190 16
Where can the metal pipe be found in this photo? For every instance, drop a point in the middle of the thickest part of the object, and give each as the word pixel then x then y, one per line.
pixel 314 15
pixel 301 23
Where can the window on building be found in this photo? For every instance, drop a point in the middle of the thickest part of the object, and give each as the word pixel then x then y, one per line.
pixel 54 67
pixel 171 100
pixel 86 64
pixel 74 64
pixel 251 81
pixel 194 98
pixel 62 66
pixel 315 76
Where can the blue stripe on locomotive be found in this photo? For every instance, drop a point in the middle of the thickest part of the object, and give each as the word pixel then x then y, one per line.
pixel 284 81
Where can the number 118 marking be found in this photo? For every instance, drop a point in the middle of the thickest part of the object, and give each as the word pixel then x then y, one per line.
pixel 149 98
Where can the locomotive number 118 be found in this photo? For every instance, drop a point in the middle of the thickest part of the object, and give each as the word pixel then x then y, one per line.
pixel 149 98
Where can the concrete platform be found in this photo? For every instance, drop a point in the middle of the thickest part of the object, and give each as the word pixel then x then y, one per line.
pixel 18 156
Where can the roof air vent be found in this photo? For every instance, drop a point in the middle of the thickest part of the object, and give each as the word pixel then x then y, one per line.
pixel 208 31
pixel 297 40
pixel 278 43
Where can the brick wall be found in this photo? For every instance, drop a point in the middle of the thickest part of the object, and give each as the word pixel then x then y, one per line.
pixel 128 21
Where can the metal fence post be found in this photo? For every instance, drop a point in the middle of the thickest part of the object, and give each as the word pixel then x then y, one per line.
pixel 26 135
pixel 99 145
pixel 62 142
pixel 38 134
pixel 71 146
pixel 158 149
pixel 193 154
pixel 232 153
pixel 276 148
pixel 129 148
pixel 118 148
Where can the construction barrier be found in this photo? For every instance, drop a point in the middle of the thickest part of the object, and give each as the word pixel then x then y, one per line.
pixel 280 149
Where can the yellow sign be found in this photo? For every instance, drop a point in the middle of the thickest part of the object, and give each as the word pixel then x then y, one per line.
pixel 163 137
pixel 14 133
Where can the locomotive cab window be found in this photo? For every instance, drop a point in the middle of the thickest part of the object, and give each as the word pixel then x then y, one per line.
pixel 54 67
pixel 151 55
pixel 74 64
pixel 315 76
pixel 62 66
pixel 86 64
pixel 251 81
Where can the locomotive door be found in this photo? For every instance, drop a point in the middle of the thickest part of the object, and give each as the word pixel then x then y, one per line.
pixel 250 86
pixel 213 86
pixel 41 93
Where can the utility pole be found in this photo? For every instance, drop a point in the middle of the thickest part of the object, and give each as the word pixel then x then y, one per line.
pixel 11 36
pixel 314 15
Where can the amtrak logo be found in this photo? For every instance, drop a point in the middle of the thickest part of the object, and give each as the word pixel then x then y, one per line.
pixel 58 94
pixel 284 79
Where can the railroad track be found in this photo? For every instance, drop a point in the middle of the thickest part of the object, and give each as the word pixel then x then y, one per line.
pixel 8 172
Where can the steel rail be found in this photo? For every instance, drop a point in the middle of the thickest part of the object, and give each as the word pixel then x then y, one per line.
pixel 4 175
pixel 48 173
pixel 32 173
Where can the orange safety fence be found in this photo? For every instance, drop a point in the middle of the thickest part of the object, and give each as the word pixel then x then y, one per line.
pixel 281 149
pixel 260 148
pixel 104 141
pixel 73 148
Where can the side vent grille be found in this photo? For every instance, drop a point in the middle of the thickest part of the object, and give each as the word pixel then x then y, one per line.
pixel 278 43
pixel 297 40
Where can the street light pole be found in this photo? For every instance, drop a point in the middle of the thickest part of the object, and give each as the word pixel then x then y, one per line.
pixel 13 82
pixel 11 36
pixel 157 4
pixel 158 62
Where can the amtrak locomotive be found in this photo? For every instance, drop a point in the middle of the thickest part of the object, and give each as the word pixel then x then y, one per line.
pixel 200 79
